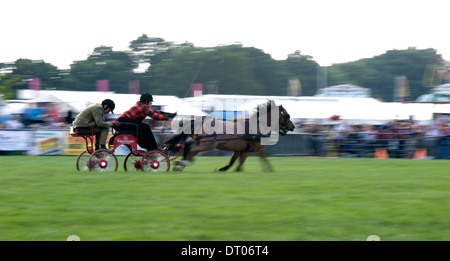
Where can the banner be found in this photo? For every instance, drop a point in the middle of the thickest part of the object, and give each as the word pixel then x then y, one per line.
pixel 34 84
pixel 401 89
pixel 12 140
pixel 294 87
pixel 133 87
pixel 76 145
pixel 431 74
pixel 48 142
pixel 102 85
pixel 196 89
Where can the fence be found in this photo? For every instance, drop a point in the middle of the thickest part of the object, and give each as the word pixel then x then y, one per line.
pixel 334 144
pixel 321 144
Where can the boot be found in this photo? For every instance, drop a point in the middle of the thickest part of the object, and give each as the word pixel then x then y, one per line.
pixel 100 147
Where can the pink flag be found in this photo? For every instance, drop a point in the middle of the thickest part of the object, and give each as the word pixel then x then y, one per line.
pixel 34 84
pixel 102 85
pixel 133 87
pixel 196 89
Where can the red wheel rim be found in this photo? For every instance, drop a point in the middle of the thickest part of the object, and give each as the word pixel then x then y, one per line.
pixel 103 164
pixel 154 164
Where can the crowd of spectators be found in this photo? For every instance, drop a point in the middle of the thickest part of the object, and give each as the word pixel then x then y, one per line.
pixel 401 138
pixel 37 116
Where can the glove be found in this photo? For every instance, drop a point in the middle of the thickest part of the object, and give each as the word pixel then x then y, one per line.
pixel 116 124
pixel 171 115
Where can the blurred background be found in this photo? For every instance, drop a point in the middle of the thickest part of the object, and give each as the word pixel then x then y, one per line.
pixel 401 91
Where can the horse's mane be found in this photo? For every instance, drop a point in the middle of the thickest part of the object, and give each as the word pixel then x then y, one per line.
pixel 267 106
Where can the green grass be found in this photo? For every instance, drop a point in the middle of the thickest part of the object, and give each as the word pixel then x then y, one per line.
pixel 45 198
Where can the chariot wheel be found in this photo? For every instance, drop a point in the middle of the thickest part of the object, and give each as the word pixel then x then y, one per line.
pixel 132 162
pixel 155 161
pixel 82 161
pixel 102 161
pixel 172 155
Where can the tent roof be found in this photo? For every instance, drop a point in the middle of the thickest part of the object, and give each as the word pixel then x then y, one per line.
pixel 78 100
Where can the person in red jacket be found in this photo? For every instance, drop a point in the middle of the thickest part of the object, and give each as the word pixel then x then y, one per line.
pixel 137 113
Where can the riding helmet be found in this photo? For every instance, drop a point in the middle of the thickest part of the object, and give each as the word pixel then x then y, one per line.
pixel 110 104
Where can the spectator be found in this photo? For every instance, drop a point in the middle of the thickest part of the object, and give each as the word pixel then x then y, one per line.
pixel 369 137
pixel 34 114
pixel 69 117
pixel 315 138
pixel 15 122
pixel 430 140
pixel 342 130
pixel 52 114
pixel 444 141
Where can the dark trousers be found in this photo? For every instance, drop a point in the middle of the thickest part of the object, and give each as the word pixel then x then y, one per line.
pixel 145 135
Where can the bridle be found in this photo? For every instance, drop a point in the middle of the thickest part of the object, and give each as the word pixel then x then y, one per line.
pixel 287 124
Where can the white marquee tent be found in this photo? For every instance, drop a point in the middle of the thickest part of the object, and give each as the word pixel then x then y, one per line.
pixel 78 100
pixel 353 110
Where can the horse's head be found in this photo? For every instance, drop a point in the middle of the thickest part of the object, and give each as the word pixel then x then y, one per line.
pixel 285 121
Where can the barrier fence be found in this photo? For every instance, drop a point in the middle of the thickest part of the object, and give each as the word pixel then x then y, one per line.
pixel 320 144
pixel 362 145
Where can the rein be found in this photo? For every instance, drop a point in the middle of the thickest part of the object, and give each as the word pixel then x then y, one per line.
pixel 244 137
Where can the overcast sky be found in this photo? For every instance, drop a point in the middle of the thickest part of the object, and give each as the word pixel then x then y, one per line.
pixel 331 31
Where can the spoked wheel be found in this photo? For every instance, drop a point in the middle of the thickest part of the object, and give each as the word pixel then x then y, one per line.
pixel 155 161
pixel 82 161
pixel 132 162
pixel 172 155
pixel 102 161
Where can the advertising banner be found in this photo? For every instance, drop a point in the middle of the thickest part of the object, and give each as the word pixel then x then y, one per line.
pixel 49 142
pixel 12 140
pixel 76 145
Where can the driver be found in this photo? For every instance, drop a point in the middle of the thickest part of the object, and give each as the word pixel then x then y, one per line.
pixel 137 113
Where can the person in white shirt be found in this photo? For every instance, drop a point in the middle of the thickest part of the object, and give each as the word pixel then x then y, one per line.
pixel 14 123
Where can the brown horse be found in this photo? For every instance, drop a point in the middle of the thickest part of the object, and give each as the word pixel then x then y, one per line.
pixel 251 135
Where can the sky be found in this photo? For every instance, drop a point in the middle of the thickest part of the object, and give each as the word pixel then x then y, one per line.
pixel 331 31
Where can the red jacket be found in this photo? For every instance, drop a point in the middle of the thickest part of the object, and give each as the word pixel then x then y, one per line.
pixel 139 111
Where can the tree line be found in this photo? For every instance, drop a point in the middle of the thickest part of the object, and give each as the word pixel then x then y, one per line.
pixel 169 68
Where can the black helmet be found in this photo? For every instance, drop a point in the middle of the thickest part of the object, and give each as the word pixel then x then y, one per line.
pixel 146 97
pixel 110 104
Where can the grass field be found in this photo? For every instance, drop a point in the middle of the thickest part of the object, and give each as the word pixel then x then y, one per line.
pixel 45 198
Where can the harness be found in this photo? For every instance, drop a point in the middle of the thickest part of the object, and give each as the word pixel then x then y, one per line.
pixel 250 138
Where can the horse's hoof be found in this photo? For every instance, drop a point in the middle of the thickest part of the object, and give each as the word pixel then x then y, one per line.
pixel 178 168
pixel 183 163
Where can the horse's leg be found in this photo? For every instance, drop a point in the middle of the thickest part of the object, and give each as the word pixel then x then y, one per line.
pixel 179 165
pixel 262 154
pixel 242 157
pixel 187 149
pixel 233 159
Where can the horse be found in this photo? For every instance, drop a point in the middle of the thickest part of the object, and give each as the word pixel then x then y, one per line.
pixel 247 135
